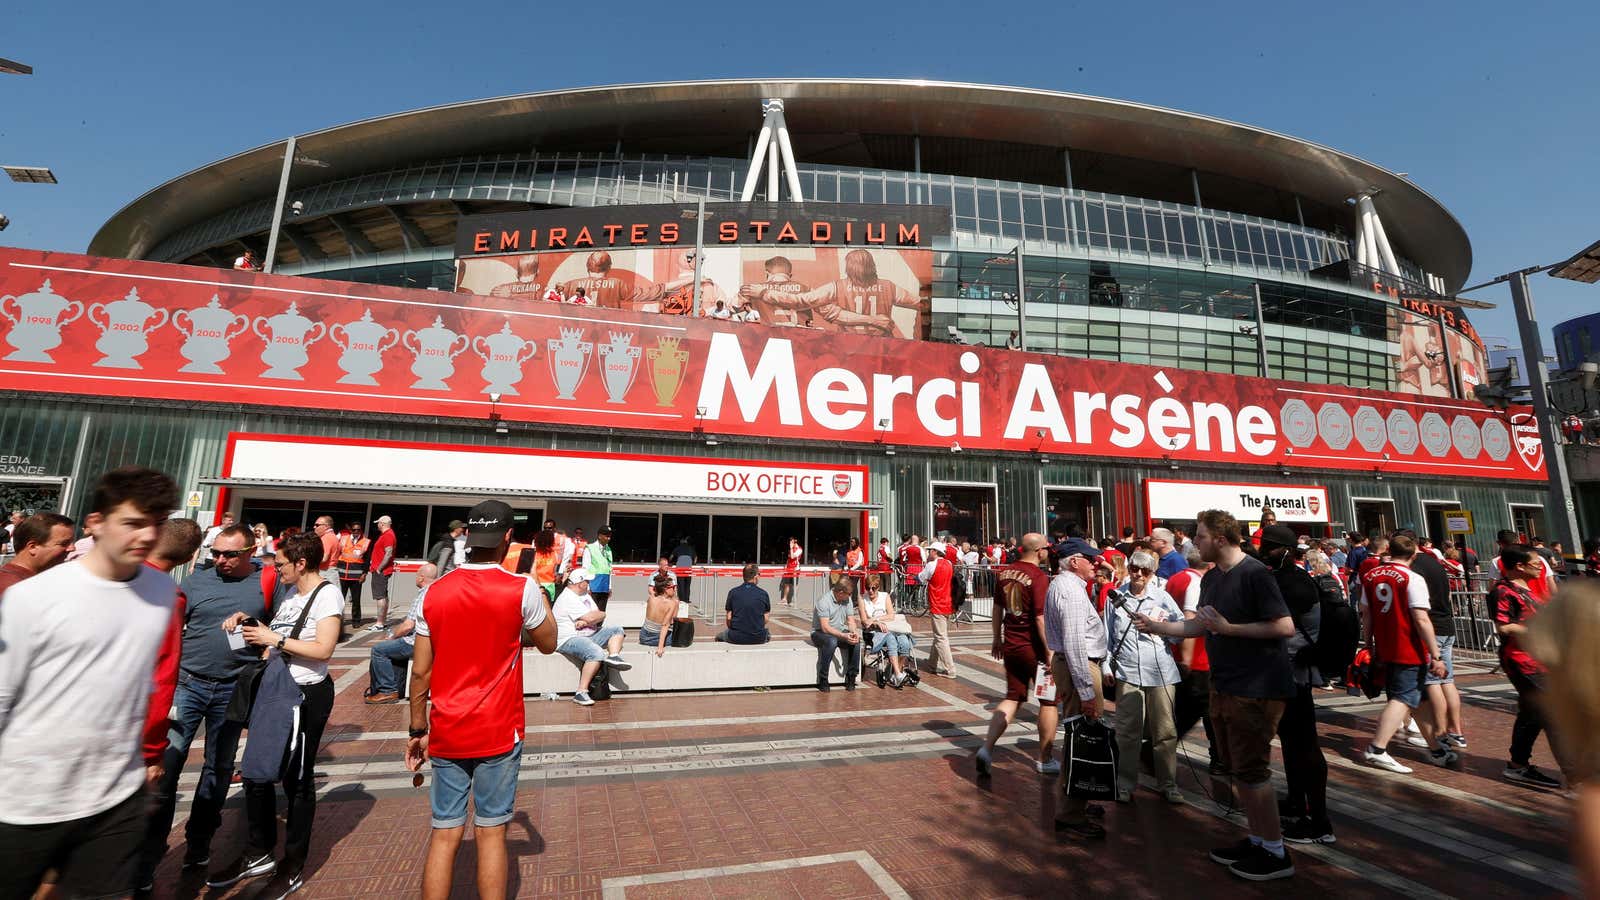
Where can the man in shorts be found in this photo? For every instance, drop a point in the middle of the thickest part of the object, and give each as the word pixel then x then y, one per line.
pixel 791 570
pixel 1394 614
pixel 1019 643
pixel 1246 625
pixel 471 628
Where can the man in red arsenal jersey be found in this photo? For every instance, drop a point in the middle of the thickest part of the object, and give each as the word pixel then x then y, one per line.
pixel 937 575
pixel 791 571
pixel 1394 612
pixel 1542 585
pixel 471 629
pixel 911 556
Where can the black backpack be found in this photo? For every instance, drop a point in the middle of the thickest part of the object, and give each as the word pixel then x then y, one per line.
pixel 958 588
pixel 1340 633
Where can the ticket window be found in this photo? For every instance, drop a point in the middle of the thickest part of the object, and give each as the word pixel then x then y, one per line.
pixel 1375 518
pixel 964 512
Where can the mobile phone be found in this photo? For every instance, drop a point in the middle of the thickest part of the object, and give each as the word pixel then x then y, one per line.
pixel 250 620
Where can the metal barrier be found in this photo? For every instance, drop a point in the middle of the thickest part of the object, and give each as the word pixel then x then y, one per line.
pixel 980 594
pixel 1469 605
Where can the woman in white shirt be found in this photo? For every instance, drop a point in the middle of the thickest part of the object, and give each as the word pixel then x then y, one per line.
pixel 265 547
pixel 892 632
pixel 299 562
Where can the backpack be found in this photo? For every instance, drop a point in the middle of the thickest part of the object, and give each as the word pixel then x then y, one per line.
pixel 1340 633
pixel 958 588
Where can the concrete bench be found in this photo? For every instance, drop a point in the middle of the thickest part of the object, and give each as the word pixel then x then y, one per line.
pixel 704 666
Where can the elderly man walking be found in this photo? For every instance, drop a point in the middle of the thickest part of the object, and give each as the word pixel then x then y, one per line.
pixel 1075 635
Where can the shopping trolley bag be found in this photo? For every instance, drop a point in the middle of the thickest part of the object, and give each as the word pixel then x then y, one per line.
pixel 1091 760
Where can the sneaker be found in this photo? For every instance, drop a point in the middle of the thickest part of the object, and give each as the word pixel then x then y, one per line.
pixel 1261 865
pixel 282 885
pixel 1411 727
pixel 242 868
pixel 1305 830
pixel 1172 795
pixel 1443 756
pixel 196 858
pixel 375 626
pixel 1531 776
pixel 1048 767
pixel 1416 740
pixel 1124 795
pixel 824 687
pixel 1232 853
pixel 982 760
pixel 1459 741
pixel 582 698
pixel 616 661
pixel 1380 759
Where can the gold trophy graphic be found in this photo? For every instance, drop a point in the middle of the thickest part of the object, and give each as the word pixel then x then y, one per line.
pixel 666 368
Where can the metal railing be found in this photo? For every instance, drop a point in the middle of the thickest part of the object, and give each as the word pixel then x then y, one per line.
pixel 1469 605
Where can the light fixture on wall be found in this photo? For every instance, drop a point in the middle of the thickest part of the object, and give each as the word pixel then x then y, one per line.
pixel 888 450
pixel 500 426
pixel 1171 464
pixel 955 447
pixel 711 442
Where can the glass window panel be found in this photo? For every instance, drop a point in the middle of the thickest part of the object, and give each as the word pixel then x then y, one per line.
pixel 849 189
pixel 827 187
pixel 1055 214
pixel 940 195
pixel 894 191
pixel 871 190
pixel 966 204
pixel 825 537
pixel 1010 206
pixel 733 540
pixel 684 534
pixel 775 534
pixel 633 537
pixel 988 204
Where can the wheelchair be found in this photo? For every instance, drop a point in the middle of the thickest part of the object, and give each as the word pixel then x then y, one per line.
pixel 877 666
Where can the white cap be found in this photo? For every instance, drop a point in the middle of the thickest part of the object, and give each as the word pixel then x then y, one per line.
pixel 936 546
pixel 385 520
pixel 579 575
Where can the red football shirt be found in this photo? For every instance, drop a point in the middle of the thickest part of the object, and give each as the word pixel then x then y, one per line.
pixel 1022 589
pixel 1392 591
pixel 1179 588
pixel 383 543
pixel 474 617
pixel 1538 587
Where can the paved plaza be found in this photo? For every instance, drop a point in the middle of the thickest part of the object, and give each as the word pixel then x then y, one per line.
pixel 794 793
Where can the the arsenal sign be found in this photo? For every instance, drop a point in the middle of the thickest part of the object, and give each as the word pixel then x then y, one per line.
pixel 84 325
pixel 1183 500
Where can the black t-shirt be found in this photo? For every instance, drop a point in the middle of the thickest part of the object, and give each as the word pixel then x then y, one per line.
pixel 1438 581
pixel 749 605
pixel 1247 667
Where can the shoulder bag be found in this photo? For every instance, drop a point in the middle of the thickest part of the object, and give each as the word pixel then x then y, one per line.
pixel 249 681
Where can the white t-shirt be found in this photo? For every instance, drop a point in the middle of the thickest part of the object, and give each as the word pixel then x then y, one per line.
pixel 75 677
pixel 878 605
pixel 329 602
pixel 567 609
pixel 1191 594
pixel 461 550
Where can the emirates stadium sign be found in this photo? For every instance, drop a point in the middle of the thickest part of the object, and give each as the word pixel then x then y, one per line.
pixel 84 325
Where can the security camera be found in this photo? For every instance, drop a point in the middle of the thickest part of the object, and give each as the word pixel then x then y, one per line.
pixel 296 208
pixel 4 221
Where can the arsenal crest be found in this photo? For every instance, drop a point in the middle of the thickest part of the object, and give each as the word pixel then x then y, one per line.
pixel 1525 437
pixel 841 485
pixel 1314 504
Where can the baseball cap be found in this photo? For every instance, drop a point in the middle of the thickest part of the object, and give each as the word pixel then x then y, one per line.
pixel 487 524
pixel 604 529
pixel 578 575
pixel 384 520
pixel 456 523
pixel 1077 547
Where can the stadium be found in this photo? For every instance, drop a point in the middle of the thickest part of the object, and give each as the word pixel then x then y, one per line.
pixel 1117 245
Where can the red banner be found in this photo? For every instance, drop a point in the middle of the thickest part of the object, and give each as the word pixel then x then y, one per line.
pixel 85 325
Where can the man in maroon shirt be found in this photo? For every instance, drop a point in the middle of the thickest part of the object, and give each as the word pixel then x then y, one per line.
pixel 43 541
pixel 1021 589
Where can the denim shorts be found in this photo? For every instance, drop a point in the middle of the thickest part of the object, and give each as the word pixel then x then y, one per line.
pixel 584 648
pixel 1405 683
pixel 492 782
pixel 1447 646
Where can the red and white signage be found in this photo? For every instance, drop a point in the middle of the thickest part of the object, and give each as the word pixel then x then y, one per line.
pixel 297 459
pixel 86 325
pixel 1293 503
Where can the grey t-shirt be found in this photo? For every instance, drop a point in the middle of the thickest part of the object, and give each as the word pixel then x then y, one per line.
pixel 1247 667
pixel 209 598
pixel 835 613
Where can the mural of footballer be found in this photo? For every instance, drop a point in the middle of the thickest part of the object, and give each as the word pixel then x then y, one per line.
pixel 859 303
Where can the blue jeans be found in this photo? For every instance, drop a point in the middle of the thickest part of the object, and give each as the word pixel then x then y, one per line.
pixel 581 648
pixel 1447 646
pixel 826 644
pixel 492 781
pixel 897 644
pixel 198 700
pixel 388 660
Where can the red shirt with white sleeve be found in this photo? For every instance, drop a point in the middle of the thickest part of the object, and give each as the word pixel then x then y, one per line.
pixel 1392 591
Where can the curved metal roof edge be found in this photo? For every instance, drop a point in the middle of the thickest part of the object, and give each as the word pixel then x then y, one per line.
pixel 274 149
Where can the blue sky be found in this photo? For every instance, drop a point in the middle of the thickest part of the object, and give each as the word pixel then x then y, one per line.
pixel 1489 107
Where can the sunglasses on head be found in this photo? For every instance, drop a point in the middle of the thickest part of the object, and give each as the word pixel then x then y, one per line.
pixel 233 554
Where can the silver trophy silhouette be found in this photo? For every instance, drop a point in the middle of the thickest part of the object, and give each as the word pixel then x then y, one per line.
pixel 435 348
pixel 619 366
pixel 123 326
pixel 287 336
pixel 363 343
pixel 36 328
pixel 569 360
pixel 208 333
pixel 503 354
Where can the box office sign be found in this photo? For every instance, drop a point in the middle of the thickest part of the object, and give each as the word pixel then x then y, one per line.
pixel 85 325
pixel 1183 500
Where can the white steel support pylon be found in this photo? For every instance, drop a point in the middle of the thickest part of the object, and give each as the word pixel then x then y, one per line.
pixel 1372 243
pixel 773 147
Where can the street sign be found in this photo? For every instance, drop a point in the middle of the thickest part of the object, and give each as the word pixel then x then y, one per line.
pixel 1458 521
pixel 194 500
pixel 872 523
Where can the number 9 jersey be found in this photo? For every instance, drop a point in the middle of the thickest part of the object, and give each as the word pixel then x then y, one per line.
pixel 1392 591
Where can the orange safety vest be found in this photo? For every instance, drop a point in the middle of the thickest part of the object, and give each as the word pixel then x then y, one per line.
pixel 353 551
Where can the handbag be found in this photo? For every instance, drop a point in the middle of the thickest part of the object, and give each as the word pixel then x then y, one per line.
pixel 682 633
pixel 600 685
pixel 248 683
pixel 1091 760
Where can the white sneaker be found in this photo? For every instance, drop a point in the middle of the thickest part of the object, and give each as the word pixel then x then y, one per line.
pixel 582 698
pixel 616 661
pixel 1383 761
pixel 1411 727
pixel 375 626
pixel 1049 767
pixel 1416 741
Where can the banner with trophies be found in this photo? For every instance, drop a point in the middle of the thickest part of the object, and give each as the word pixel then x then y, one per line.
pixel 152 331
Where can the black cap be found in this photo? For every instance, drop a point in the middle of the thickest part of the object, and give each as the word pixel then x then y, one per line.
pixel 1278 536
pixel 487 524
pixel 604 529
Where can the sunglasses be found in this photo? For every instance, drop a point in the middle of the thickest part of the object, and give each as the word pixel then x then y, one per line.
pixel 233 554
pixel 1137 570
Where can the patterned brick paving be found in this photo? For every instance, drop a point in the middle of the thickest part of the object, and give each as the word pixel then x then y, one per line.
pixel 719 780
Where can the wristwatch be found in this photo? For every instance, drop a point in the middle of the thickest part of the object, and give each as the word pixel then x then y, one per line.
pixel 419 732
pixel 280 644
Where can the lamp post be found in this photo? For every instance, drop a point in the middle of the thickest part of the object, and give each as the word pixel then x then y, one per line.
pixel 1583 267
